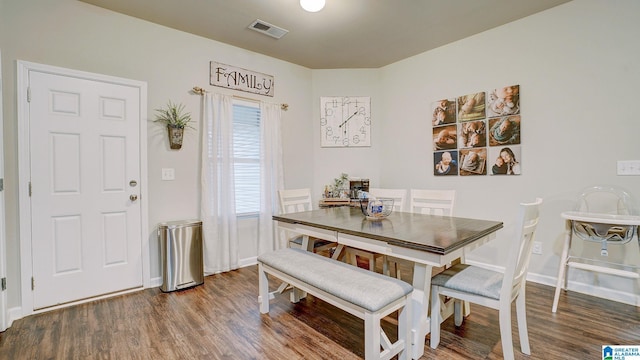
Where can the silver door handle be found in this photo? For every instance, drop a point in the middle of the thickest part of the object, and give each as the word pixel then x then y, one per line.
pixel 133 197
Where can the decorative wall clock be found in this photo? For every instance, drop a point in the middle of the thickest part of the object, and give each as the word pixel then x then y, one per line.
pixel 345 121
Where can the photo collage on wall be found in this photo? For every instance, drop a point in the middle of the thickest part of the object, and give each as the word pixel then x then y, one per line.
pixel 478 134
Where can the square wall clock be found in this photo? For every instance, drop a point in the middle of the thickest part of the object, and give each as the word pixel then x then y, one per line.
pixel 345 121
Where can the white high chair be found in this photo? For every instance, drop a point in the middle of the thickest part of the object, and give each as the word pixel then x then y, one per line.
pixel 603 214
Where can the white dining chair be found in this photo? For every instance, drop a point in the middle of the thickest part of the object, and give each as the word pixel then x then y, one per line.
pixel 491 288
pixel 424 201
pixel 433 202
pixel 297 200
pixel 399 197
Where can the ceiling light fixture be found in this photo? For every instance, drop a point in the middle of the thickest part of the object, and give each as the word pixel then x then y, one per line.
pixel 312 5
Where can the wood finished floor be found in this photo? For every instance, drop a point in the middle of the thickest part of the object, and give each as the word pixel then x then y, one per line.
pixel 220 320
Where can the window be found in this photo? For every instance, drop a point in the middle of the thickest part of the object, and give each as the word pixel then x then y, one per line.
pixel 246 153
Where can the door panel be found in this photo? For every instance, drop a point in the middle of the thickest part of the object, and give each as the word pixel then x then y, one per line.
pixel 84 137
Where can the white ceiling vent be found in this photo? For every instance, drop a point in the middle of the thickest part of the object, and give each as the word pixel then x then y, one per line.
pixel 268 29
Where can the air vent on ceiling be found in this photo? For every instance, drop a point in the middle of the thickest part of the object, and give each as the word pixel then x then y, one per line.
pixel 268 29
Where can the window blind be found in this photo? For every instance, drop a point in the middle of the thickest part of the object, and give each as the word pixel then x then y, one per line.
pixel 246 153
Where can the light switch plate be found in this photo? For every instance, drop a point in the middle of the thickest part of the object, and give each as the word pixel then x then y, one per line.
pixel 168 174
pixel 629 167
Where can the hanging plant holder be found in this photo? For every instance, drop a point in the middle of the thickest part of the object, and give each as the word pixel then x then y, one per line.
pixel 176 119
pixel 176 135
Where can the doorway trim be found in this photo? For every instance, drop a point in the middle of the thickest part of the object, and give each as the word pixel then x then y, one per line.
pixel 4 315
pixel 24 176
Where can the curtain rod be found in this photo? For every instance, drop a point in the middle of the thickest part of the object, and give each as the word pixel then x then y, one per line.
pixel 200 91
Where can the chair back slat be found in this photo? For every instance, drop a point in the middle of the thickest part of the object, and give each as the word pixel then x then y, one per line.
pixel 399 196
pixel 291 201
pixel 295 200
pixel 433 202
pixel 515 274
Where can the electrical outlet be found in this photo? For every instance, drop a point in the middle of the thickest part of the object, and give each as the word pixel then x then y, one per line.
pixel 537 248
pixel 628 167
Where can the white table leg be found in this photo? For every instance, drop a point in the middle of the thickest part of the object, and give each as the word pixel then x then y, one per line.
pixel 420 308
pixel 562 269
pixel 307 244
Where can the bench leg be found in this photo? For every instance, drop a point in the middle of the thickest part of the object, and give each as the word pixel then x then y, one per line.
pixel 263 289
pixel 404 330
pixel 371 336
pixel 377 344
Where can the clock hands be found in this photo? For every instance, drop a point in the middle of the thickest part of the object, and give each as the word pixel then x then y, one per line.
pixel 344 122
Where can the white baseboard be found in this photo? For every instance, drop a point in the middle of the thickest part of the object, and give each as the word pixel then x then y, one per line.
pixel 14 314
pixel 248 261
pixel 155 282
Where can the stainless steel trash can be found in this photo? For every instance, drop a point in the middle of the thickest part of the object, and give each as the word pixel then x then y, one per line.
pixel 181 250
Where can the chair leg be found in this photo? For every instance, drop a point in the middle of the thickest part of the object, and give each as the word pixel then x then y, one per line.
pixel 458 314
pixel 521 312
pixel 505 329
pixel 435 317
pixel 562 269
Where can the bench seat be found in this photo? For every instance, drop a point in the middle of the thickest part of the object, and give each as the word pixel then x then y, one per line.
pixel 365 294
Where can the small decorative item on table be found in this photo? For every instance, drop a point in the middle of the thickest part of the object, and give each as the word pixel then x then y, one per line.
pixel 376 209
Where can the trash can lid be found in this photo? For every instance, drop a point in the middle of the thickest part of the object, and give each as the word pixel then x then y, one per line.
pixel 180 223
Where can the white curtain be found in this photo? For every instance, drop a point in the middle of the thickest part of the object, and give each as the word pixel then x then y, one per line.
pixel 218 208
pixel 218 211
pixel 271 175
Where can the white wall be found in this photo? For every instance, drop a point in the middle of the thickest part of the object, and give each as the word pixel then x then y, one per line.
pixel 576 65
pixel 76 35
pixel 578 71
pixel 364 162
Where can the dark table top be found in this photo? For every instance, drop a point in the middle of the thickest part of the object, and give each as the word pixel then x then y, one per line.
pixel 436 234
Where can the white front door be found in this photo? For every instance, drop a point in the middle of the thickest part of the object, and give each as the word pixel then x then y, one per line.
pixel 84 188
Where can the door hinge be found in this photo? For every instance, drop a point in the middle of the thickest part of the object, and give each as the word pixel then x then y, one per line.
pixel 1 184
pixel 33 283
pixel 29 94
pixel 29 188
pixel 3 283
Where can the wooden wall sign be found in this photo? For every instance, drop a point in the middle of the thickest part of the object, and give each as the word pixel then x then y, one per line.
pixel 232 77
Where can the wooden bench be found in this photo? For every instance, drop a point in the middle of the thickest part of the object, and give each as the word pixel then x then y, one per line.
pixel 365 294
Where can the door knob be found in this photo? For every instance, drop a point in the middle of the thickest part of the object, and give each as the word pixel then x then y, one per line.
pixel 133 197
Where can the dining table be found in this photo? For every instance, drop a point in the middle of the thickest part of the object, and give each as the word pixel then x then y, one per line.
pixel 427 241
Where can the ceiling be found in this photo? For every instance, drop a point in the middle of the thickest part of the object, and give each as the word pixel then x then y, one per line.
pixel 345 34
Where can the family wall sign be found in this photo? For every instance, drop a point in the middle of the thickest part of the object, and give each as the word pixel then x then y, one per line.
pixel 236 78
